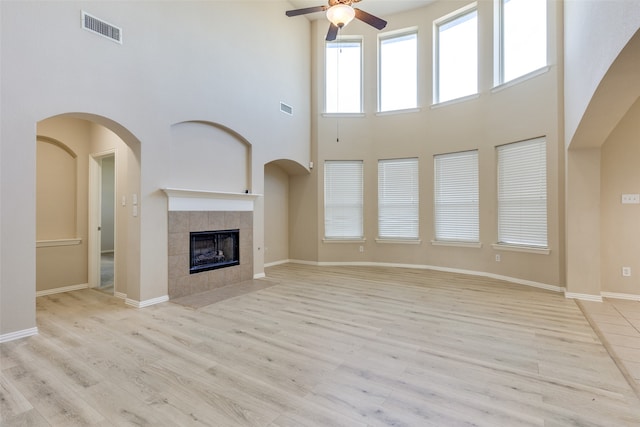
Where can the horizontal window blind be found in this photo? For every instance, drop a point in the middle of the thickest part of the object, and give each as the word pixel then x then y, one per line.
pixel 522 193
pixel 343 188
pixel 456 197
pixel 398 208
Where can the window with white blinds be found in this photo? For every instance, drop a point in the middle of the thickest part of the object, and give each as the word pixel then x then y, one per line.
pixel 456 197
pixel 522 193
pixel 343 188
pixel 398 209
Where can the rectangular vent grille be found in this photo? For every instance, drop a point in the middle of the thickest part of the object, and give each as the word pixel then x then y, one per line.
pixel 95 25
pixel 287 109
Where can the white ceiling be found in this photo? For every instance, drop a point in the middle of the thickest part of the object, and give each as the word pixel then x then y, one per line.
pixel 379 8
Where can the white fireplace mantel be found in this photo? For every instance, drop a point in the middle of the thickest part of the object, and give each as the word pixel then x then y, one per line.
pixel 181 199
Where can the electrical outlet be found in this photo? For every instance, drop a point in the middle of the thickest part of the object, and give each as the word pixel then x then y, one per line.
pixel 630 199
pixel 626 271
pixel 498 258
pixel 361 248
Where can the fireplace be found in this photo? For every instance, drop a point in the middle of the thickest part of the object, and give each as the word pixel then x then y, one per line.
pixel 210 250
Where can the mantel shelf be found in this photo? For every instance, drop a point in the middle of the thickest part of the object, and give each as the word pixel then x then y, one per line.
pixel 205 194
pixel 182 199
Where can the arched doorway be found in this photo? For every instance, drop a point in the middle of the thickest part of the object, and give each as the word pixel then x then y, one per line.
pixel 70 199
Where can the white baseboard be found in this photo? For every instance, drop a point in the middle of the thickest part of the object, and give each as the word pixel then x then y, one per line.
pixel 146 303
pixel 436 268
pixel 273 264
pixel 62 289
pixel 18 334
pixel 617 295
pixel 583 297
pixel 120 295
pixel 259 275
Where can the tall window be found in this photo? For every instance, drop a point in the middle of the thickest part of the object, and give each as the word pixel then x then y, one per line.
pixel 456 56
pixel 343 76
pixel 398 210
pixel 522 193
pixel 343 210
pixel 456 197
pixel 523 37
pixel 398 87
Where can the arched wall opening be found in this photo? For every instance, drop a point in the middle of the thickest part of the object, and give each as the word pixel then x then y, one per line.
pixel 603 234
pixel 65 248
pixel 279 215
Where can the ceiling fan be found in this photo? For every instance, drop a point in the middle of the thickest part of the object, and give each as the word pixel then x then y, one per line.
pixel 340 13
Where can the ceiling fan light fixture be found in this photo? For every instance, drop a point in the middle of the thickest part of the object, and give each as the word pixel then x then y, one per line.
pixel 340 14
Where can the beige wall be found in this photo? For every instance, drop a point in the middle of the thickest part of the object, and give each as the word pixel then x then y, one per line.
pixel 59 266
pixel 231 68
pixel 620 224
pixel 522 111
pixel 276 214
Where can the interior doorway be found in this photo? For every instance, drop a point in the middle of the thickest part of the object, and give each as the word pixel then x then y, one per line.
pixel 102 224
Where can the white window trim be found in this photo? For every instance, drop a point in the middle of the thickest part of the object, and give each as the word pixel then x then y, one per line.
pixel 414 178
pixel 436 52
pixel 453 241
pixel 498 49
pixel 389 35
pixel 338 238
pixel 399 241
pixel 349 38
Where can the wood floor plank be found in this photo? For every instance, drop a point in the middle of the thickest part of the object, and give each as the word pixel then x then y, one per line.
pixel 320 346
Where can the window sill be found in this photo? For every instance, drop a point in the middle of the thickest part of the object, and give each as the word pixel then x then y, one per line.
pixel 517 248
pixel 456 244
pixel 396 112
pixel 343 115
pixel 399 241
pixel 455 101
pixel 518 80
pixel 347 240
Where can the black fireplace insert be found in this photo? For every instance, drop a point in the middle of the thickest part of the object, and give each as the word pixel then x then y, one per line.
pixel 210 250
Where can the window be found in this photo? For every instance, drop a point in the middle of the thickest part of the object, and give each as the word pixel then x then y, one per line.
pixel 456 197
pixel 398 85
pixel 522 193
pixel 343 76
pixel 456 51
pixel 343 200
pixel 398 210
pixel 523 37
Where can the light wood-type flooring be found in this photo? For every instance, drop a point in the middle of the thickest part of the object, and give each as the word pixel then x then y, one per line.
pixel 323 346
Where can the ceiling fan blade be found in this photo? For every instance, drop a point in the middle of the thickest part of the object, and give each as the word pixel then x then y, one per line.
pixel 306 10
pixel 374 21
pixel 332 33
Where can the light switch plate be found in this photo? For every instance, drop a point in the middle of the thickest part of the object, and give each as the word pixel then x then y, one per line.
pixel 631 199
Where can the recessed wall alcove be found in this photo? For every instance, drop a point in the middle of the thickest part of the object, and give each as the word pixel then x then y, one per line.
pixel 194 211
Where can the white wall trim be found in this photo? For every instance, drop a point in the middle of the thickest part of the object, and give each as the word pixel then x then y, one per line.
pixel 62 289
pixel 18 334
pixel 120 295
pixel 274 263
pixel 181 199
pixel 58 242
pixel 146 303
pixel 259 275
pixel 583 297
pixel 516 280
pixel 617 295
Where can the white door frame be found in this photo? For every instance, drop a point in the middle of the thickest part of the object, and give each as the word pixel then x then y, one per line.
pixel 95 215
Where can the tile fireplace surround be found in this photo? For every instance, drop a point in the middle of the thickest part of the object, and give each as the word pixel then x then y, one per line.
pixel 191 214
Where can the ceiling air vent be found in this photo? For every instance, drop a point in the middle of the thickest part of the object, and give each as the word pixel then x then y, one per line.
pixel 287 109
pixel 97 26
